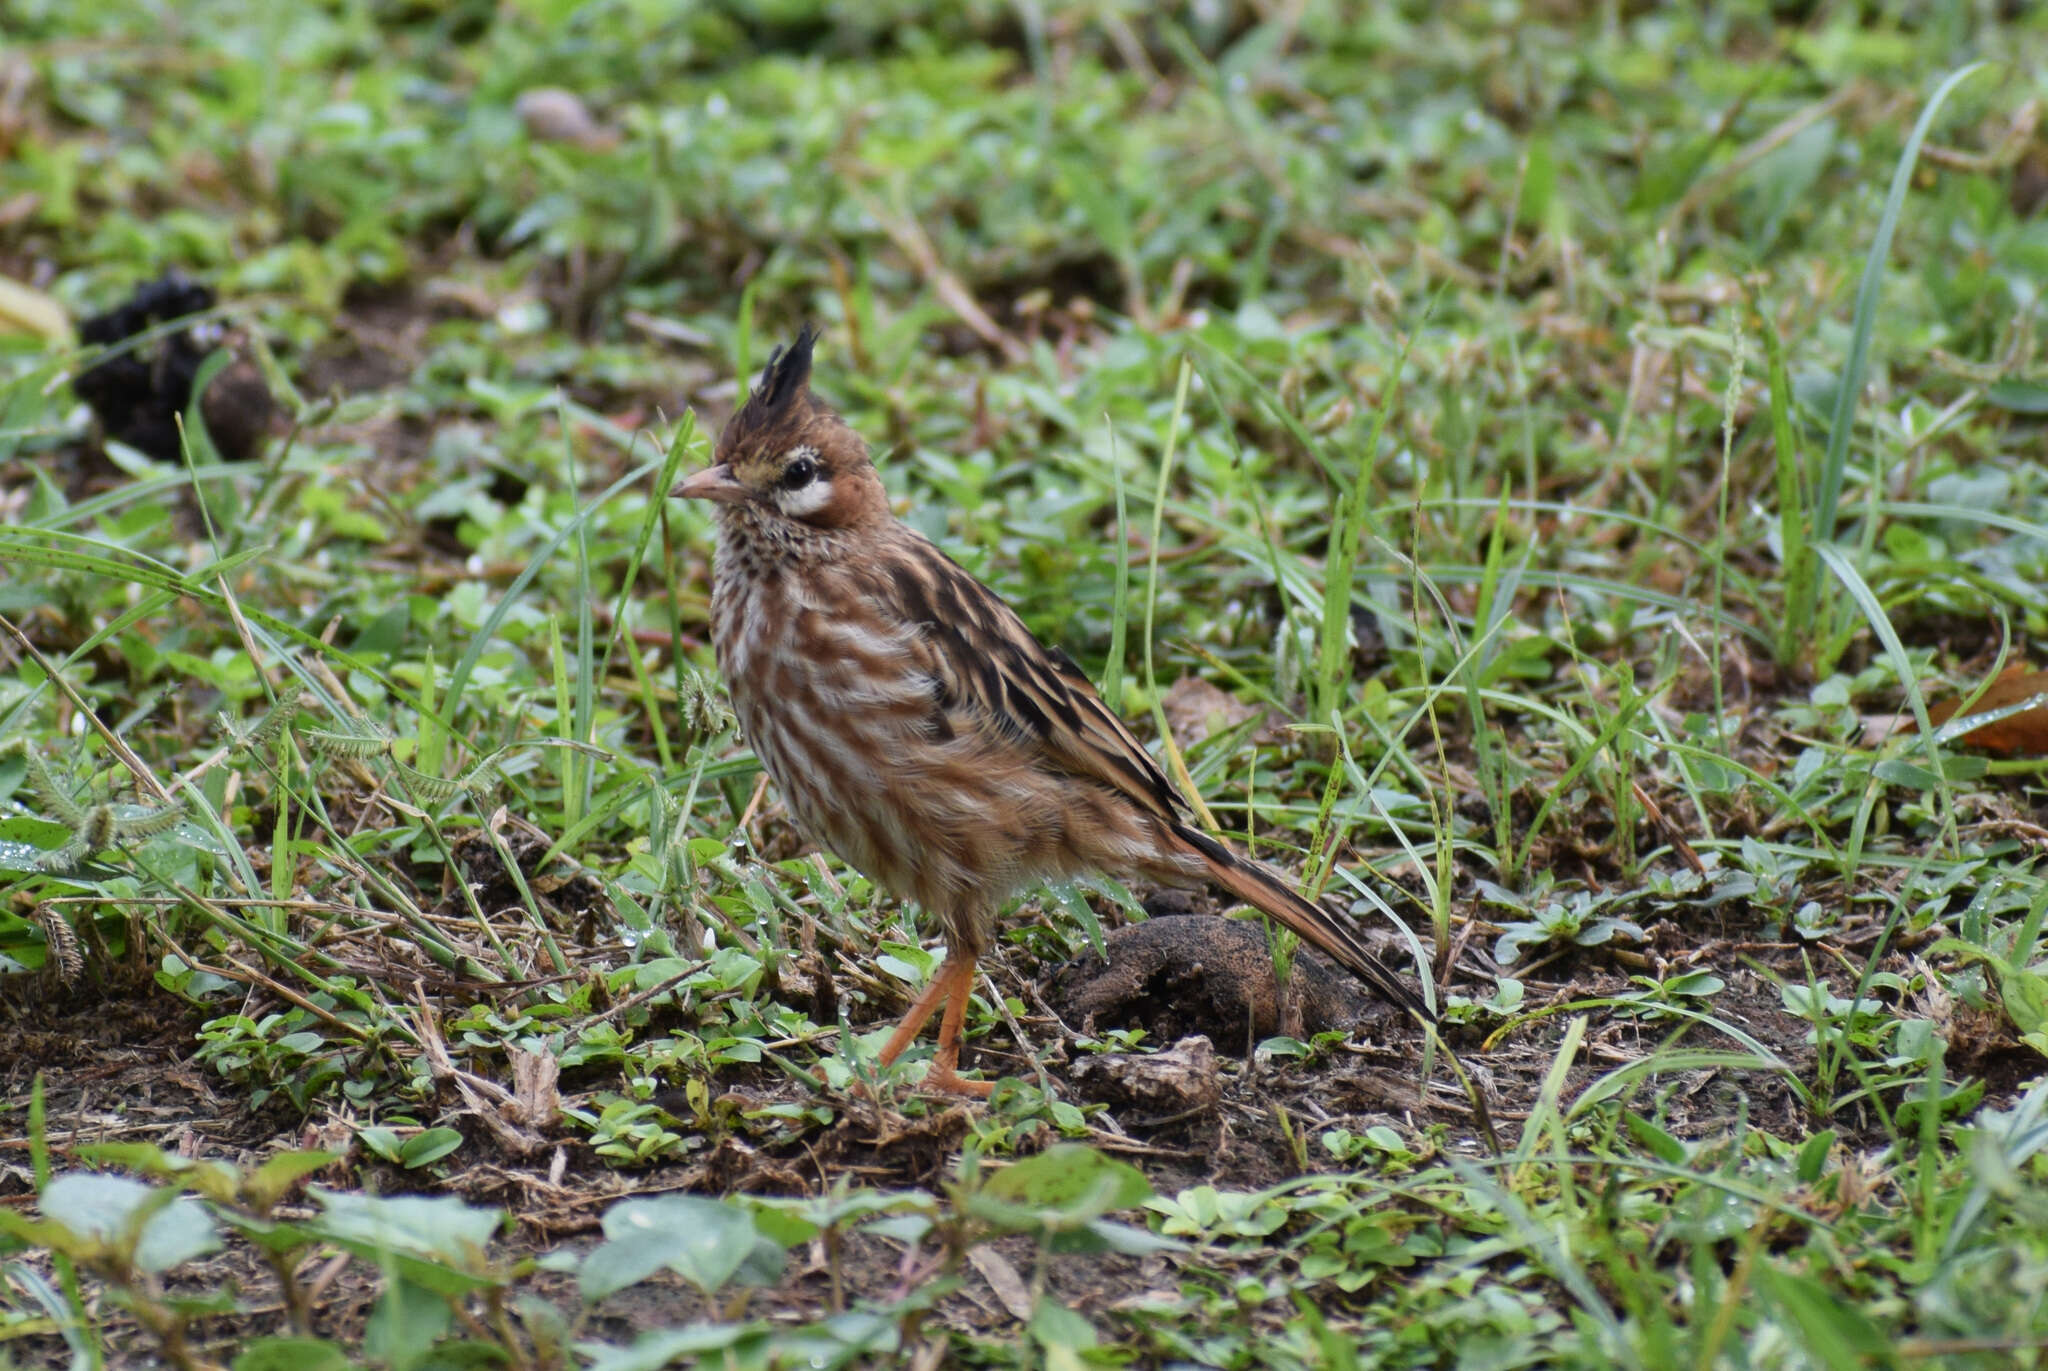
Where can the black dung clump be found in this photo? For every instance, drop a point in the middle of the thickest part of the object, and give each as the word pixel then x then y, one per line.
pixel 138 393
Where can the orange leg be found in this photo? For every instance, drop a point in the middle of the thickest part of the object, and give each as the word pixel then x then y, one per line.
pixel 951 987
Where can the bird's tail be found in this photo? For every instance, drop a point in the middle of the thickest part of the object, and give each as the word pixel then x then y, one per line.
pixel 1261 887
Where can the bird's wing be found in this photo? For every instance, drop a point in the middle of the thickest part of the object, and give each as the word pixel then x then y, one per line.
pixel 988 671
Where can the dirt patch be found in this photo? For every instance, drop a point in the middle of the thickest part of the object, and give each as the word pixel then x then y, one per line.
pixel 115 1068
pixel 1199 974
pixel 379 338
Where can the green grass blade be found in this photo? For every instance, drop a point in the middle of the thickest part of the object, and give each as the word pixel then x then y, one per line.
pixel 1828 490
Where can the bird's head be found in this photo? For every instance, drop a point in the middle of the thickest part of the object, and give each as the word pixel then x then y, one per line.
pixel 787 455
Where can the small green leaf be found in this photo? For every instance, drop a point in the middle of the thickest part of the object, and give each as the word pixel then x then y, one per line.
pixel 2025 994
pixel 1695 983
pixel 406 1323
pixel 291 1354
pixel 653 1351
pixel 706 1242
pixel 166 1228
pixel 385 1142
pixel 25 841
pixel 435 1241
pixel 1812 1161
pixel 146 1158
pixel 2020 397
pixel 1912 776
pixel 1129 1239
pixel 273 1180
pixel 1662 1145
pixel 1066 1184
pixel 425 1148
pixel 1055 1327
pixel 1833 1330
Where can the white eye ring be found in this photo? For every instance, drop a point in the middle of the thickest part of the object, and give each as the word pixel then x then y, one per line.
pixel 805 488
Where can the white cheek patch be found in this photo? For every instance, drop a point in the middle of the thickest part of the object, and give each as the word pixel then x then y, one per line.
pixel 805 501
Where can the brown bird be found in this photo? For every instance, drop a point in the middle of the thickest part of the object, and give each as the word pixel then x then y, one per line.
pixel 915 725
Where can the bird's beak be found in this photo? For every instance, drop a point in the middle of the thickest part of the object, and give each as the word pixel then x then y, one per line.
pixel 712 483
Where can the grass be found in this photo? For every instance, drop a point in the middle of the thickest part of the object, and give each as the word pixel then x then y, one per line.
pixel 1564 444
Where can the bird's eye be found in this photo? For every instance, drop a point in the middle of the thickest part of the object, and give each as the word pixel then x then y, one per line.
pixel 799 474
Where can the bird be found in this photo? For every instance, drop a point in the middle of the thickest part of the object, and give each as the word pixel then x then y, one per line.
pixel 916 727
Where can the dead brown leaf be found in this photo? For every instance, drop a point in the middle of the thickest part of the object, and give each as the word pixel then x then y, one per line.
pixel 1195 709
pixel 2022 732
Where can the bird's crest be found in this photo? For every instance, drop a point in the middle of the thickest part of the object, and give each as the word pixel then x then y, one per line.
pixel 776 404
pixel 786 376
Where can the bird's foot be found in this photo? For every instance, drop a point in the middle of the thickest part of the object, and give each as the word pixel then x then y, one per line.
pixel 943 1079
